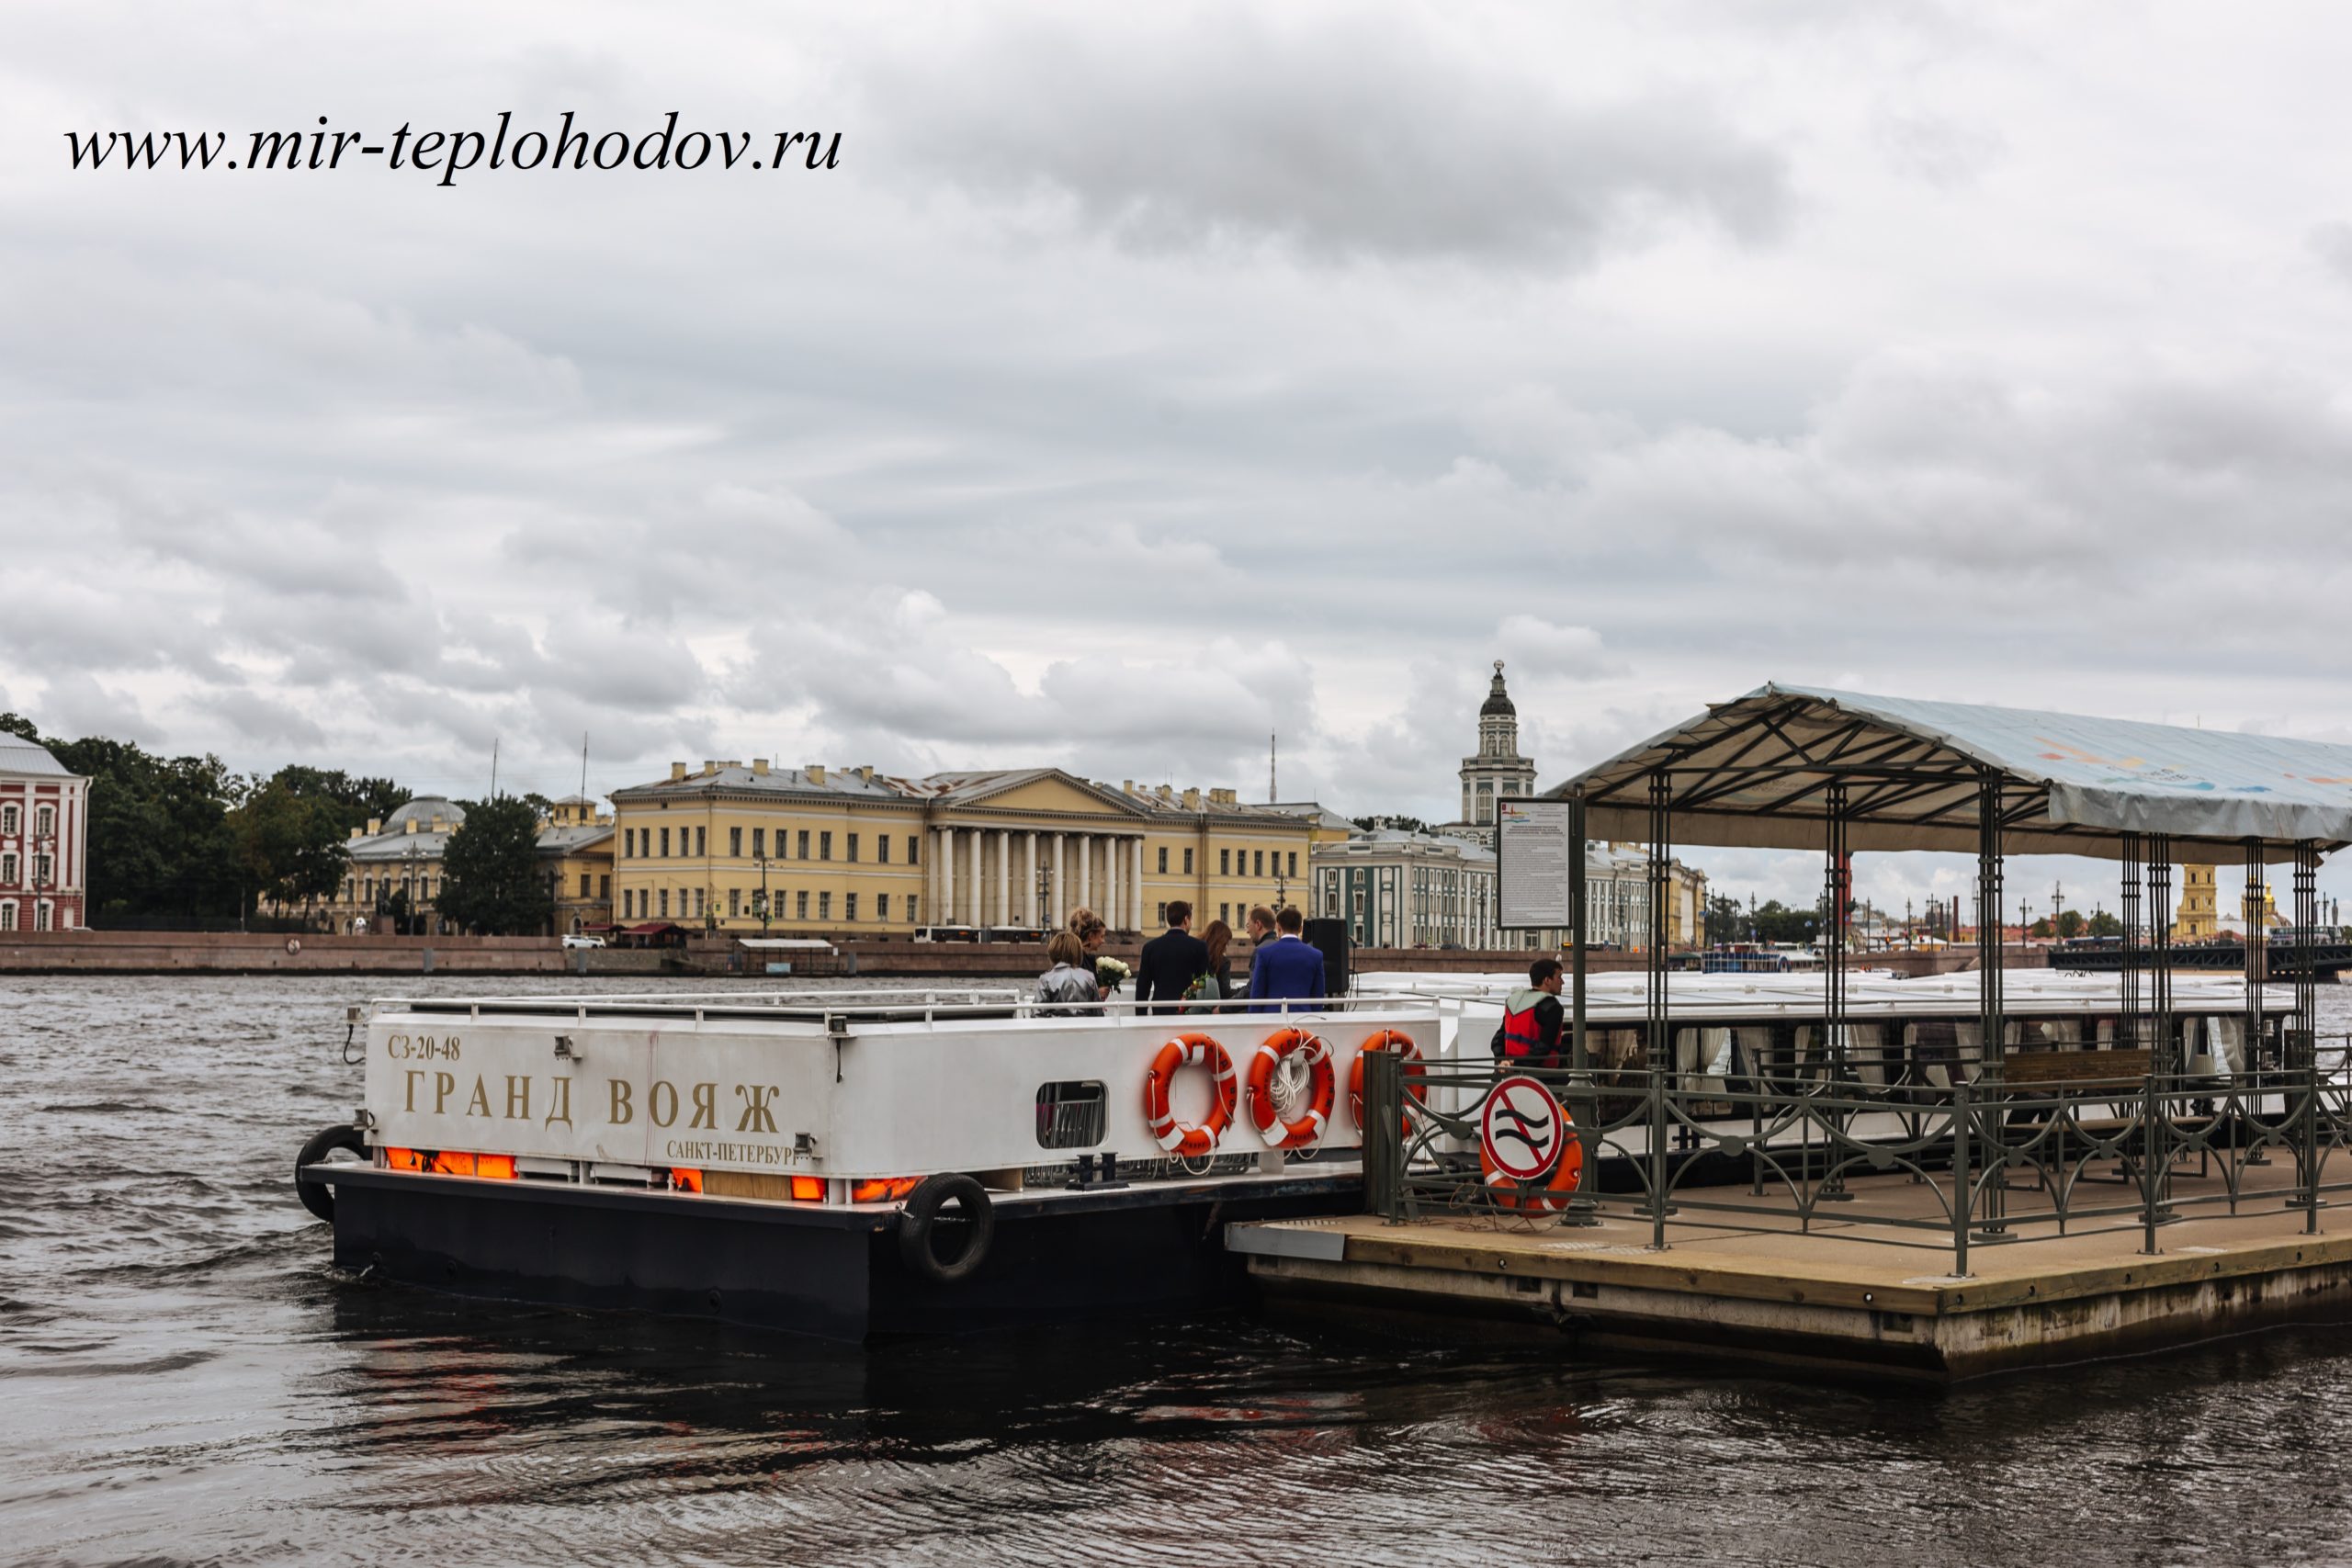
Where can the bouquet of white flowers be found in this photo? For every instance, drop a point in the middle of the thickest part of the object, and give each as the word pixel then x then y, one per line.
pixel 1110 974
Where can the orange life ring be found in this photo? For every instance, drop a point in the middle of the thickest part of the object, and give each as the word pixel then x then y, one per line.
pixel 1387 1040
pixel 1307 1129
pixel 1180 1138
pixel 1542 1193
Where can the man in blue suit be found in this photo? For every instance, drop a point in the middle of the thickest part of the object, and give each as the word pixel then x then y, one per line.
pixel 1285 968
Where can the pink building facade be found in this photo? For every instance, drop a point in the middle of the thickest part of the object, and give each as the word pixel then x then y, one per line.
pixel 44 819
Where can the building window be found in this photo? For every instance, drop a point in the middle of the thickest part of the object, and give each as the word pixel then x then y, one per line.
pixel 42 874
pixel 1293 862
pixel 759 843
pixel 824 846
pixel 8 917
pixel 734 902
pixel 44 824
pixel 824 905
pixel 1163 859
pixel 881 849
pixel 910 849
pixel 1224 913
pixel 882 902
pixel 584 882
pixel 40 919
pixel 1225 863
pixel 8 826
pixel 1161 916
pixel 8 871
pixel 849 905
pixel 853 853
pixel 1188 862
pixel 802 906
pixel 702 842
pixel 665 847
pixel 804 843
pixel 702 907
pixel 1260 859
pixel 665 893
pixel 735 843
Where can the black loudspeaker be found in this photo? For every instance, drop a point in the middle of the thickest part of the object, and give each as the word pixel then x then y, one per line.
pixel 1331 939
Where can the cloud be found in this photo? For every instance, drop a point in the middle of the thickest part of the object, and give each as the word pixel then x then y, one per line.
pixel 1323 136
pixel 1542 648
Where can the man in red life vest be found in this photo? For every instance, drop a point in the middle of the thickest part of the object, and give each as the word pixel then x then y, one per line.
pixel 1530 1036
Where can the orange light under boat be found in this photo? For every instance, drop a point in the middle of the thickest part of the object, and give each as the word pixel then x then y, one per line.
pixel 404 1159
pixel 684 1181
pixel 885 1189
pixel 807 1189
pixel 457 1162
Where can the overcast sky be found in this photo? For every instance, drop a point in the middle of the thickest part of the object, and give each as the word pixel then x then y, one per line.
pixel 1144 382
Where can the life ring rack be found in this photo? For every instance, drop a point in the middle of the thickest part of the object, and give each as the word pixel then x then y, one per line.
pixel 1185 1139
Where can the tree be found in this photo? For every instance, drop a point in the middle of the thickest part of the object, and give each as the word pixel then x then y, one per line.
pixel 2070 925
pixel 2040 927
pixel 1725 919
pixel 289 841
pixel 491 882
pixel 157 837
pixel 1400 824
pixel 2105 924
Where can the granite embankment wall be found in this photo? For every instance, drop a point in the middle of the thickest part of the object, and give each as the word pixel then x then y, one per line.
pixel 241 952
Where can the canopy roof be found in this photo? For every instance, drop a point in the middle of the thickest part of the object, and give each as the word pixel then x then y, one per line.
pixel 1757 771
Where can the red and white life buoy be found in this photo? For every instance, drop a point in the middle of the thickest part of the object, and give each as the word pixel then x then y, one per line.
pixel 1387 1040
pixel 1306 1129
pixel 1181 1138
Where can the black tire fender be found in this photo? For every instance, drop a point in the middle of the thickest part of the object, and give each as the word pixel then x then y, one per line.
pixel 917 1228
pixel 316 1195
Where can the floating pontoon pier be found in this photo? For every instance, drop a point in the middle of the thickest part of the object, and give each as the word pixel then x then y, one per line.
pixel 2042 1182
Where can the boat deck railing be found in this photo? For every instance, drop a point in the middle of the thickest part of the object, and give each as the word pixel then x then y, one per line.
pixel 2004 1162
pixel 925 1004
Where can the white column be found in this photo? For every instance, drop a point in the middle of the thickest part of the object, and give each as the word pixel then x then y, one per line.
pixel 1111 909
pixel 1086 870
pixel 1005 876
pixel 1029 879
pixel 1142 913
pixel 943 871
pixel 979 871
pixel 1060 904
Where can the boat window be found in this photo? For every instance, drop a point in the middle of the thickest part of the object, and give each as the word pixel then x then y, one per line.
pixel 1070 1116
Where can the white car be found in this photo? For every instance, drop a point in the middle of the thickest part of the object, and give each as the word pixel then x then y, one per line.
pixel 576 939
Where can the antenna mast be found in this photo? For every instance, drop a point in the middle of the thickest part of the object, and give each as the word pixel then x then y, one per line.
pixel 493 767
pixel 1272 794
pixel 583 769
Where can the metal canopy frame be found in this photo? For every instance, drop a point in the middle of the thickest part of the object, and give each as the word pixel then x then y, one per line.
pixel 1795 769
pixel 1760 770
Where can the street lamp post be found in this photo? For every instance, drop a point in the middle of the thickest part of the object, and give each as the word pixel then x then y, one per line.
pixel 763 859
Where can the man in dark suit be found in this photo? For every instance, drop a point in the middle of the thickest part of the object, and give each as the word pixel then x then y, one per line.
pixel 1285 968
pixel 1171 961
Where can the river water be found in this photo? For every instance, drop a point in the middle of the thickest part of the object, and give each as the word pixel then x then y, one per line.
pixel 183 1379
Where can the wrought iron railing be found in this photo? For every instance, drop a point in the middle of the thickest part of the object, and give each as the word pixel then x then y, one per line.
pixel 1981 1161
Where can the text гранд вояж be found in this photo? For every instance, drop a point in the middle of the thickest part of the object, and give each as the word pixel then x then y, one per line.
pixel 452 153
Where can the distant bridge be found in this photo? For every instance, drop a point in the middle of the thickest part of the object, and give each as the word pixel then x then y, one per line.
pixel 2280 959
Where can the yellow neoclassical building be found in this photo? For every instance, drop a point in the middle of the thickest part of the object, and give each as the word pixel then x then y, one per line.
pixel 852 850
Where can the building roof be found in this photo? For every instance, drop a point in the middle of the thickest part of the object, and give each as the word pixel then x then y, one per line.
pixel 19 755
pixel 965 788
pixel 573 836
pixel 1758 771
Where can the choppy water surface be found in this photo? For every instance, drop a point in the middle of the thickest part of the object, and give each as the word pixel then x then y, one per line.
pixel 182 1378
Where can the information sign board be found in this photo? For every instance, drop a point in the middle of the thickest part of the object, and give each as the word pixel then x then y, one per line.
pixel 1534 852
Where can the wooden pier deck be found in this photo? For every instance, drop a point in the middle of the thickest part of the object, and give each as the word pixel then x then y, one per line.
pixel 1854 1293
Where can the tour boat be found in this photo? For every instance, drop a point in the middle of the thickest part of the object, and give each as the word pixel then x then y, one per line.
pixel 847 1167
pixel 857 1166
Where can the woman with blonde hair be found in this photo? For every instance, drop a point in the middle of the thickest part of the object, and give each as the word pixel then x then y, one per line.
pixel 1071 978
